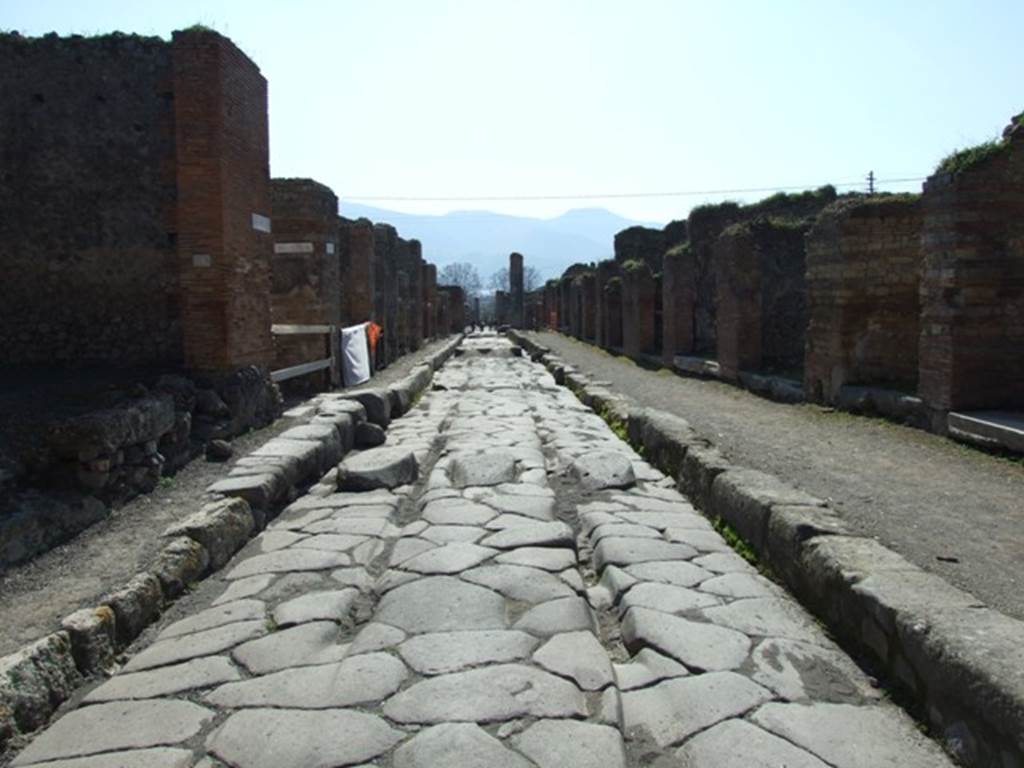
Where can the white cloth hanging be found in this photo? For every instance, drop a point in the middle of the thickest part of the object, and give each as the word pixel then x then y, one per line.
pixel 355 355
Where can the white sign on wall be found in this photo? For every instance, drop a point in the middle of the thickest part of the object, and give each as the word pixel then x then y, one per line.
pixel 201 260
pixel 293 247
pixel 260 223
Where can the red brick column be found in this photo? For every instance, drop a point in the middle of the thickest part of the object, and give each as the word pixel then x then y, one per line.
pixel 223 182
pixel 679 293
pixel 517 295
pixel 588 296
pixel 430 300
pixel 638 298
pixel 738 286
pixel 358 273
pixel 613 313
pixel 606 270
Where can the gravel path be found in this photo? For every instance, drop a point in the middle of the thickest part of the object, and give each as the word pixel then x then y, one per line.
pixel 947 508
pixel 36 596
pixel 539 597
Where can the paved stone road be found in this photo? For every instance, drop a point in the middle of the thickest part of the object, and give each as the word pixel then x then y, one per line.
pixel 539 596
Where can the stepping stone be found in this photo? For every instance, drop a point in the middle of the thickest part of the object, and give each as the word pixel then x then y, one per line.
pixel 550 618
pixel 436 746
pixel 645 668
pixel 847 735
pixel 240 610
pixel 563 743
pixel 377 468
pixel 448 558
pixel 305 645
pixel 206 643
pixel 598 470
pixel 287 560
pixel 116 726
pixel 665 598
pixel 696 644
pixel 198 673
pixel 577 655
pixel 630 551
pixel 491 694
pixel 553 534
pixel 273 738
pixel 517 582
pixel 333 605
pixel 738 744
pixel 490 468
pixel 546 558
pixel 441 603
pixel 767 617
pixel 376 403
pixel 363 679
pixel 441 652
pixel 369 435
pixel 675 709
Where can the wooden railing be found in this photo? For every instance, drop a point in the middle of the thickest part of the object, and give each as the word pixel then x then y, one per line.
pixel 330 363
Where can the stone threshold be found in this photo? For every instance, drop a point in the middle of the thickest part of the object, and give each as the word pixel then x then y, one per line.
pixel 957 663
pixel 37 679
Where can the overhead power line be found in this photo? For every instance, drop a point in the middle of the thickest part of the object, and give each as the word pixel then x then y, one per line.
pixel 617 195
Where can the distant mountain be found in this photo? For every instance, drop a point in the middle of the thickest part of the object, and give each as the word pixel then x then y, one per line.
pixel 486 239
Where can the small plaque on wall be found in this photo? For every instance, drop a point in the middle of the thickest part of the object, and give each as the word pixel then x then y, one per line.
pixel 293 247
pixel 201 260
pixel 260 223
pixel 330 247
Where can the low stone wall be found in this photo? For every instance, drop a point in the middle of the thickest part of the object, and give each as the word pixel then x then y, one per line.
pixel 959 663
pixel 36 680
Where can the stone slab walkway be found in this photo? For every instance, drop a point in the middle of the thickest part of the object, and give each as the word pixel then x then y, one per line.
pixel 949 509
pixel 538 596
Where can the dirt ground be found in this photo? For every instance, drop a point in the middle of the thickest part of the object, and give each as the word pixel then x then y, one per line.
pixel 36 596
pixel 950 509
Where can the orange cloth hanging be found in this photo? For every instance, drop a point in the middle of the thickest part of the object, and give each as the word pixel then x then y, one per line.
pixel 373 332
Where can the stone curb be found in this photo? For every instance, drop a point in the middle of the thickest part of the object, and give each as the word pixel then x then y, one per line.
pixel 37 679
pixel 959 662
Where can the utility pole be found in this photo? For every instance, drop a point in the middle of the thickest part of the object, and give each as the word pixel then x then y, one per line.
pixel 871 182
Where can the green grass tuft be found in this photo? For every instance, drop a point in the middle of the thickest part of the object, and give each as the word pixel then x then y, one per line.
pixel 965 159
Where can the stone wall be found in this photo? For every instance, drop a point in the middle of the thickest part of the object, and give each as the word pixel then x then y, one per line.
pixel 357 266
pixel 678 302
pixel 640 244
pixel 762 297
pixel 613 312
pixel 87 192
pixel 639 292
pixel 516 291
pixel 305 273
pixel 606 271
pixel 863 281
pixel 972 289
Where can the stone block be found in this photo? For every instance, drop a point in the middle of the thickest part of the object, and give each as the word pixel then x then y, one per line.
pixel 259 491
pixel 377 404
pixel 92 632
pixel 701 466
pixel 181 562
pixel 222 528
pixel 36 680
pixel 135 606
pixel 744 498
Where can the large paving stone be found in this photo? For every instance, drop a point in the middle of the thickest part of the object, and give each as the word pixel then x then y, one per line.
pixel 537 507
pixel 675 709
pixel 697 644
pixel 565 615
pixel 666 598
pixel 490 694
pixel 677 572
pixel 517 582
pixel 330 542
pixel 550 534
pixel 243 588
pixel 331 605
pixel 206 643
pixel 438 745
pixel 158 757
pixel 439 604
pixel 378 468
pixel 448 558
pixel 802 671
pixel 457 512
pixel 275 738
pixel 307 644
pixel 363 679
pixel 646 668
pixel 440 652
pixel 579 656
pixel 376 403
pixel 288 560
pixel 738 744
pixel 563 743
pixel 376 637
pixel 547 558
pixel 849 736
pixel 767 617
pixel 620 528
pixel 631 551
pixel 598 470
pixel 738 585
pixel 198 673
pixel 240 610
pixel 488 468
pixel 116 726
pixel 450 534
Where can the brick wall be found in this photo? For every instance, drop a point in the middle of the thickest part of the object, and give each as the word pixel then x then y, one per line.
pixel 605 332
pixel 863 282
pixel 358 273
pixel 640 244
pixel 429 301
pixel 87 202
pixel 678 290
pixel 223 181
pixel 613 312
pixel 762 297
pixel 638 309
pixel 972 288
